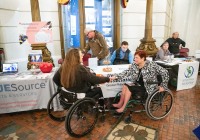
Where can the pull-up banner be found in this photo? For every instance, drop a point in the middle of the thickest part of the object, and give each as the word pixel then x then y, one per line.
pixel 187 75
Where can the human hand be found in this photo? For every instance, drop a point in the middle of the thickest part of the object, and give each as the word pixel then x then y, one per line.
pixel 180 46
pixel 161 89
pixel 112 78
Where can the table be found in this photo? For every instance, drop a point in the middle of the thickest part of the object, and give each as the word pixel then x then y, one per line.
pixel 112 88
pixel 25 91
pixel 187 72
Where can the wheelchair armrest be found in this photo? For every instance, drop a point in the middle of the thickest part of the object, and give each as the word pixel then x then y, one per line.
pixel 68 95
pixel 67 91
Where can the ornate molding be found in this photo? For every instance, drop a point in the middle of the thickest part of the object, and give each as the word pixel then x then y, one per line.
pixel 149 47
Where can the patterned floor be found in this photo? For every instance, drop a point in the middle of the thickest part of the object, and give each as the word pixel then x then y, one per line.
pixel 32 125
pixel 132 131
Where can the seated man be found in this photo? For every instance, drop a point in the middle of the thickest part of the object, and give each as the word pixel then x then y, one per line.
pixel 122 55
pixel 175 43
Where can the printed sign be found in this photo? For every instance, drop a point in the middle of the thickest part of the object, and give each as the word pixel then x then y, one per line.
pixel 35 32
pixel 187 75
pixel 23 95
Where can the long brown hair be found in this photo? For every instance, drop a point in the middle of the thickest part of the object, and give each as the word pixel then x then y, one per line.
pixel 69 68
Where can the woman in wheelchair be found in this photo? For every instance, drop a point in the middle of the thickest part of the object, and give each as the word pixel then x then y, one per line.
pixel 140 72
pixel 75 77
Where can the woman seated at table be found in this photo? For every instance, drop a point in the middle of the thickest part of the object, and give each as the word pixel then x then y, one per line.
pixel 140 71
pixel 77 78
pixel 163 53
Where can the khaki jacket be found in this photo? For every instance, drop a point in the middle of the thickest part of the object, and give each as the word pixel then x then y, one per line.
pixel 98 46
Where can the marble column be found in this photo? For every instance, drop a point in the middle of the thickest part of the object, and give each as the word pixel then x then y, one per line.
pixel 148 43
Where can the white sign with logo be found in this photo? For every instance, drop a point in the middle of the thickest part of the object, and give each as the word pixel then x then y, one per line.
pixel 26 92
pixel 112 88
pixel 187 75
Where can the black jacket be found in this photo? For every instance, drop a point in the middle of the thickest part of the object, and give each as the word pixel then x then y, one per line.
pixel 174 44
pixel 124 60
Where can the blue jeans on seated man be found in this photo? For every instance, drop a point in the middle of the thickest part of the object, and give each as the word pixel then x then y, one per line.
pixel 101 61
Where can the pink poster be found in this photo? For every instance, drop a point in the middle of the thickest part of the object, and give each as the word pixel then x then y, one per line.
pixel 35 32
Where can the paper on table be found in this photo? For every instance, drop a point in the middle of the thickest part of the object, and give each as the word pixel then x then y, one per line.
pixel 43 76
pixel 92 62
pixel 24 77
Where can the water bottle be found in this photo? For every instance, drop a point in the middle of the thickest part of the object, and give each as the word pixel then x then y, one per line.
pixel 170 57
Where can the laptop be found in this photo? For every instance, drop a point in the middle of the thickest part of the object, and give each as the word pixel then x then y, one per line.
pixel 9 69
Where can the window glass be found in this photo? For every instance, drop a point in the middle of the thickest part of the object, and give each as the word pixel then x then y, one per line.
pixel 98 16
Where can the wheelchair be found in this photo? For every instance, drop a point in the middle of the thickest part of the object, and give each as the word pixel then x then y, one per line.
pixel 59 103
pixel 80 114
pixel 156 105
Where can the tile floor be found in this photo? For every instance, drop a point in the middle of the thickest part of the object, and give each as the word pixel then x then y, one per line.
pixel 32 125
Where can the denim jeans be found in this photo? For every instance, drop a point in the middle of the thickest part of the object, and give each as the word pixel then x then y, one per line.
pixel 100 62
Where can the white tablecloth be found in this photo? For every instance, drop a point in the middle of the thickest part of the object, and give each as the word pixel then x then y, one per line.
pixel 187 72
pixel 112 88
pixel 24 91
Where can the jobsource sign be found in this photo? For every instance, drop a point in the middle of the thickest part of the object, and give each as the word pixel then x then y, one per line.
pixel 24 87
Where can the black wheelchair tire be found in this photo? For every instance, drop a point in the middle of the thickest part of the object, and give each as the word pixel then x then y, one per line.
pixel 50 110
pixel 150 100
pixel 72 109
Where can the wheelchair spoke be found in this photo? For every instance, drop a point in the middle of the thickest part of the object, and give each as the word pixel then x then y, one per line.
pixel 81 118
pixel 55 108
pixel 159 105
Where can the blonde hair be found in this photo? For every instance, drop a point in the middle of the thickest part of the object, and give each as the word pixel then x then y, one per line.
pixel 69 68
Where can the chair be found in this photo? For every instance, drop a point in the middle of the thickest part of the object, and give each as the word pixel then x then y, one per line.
pixel 85 59
pixel 111 50
pixel 197 56
pixel 60 61
pixel 184 52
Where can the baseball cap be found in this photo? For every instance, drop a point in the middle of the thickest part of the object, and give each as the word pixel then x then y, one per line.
pixel 87 30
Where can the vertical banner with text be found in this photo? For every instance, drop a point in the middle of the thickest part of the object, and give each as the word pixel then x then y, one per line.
pixel 187 75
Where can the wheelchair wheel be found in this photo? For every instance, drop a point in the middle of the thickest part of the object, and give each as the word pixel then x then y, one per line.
pixel 81 117
pixel 159 104
pixel 59 115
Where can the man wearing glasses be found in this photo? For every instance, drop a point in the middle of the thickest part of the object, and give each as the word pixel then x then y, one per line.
pixel 97 44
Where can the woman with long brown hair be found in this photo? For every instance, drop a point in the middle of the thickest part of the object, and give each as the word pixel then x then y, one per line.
pixel 75 77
